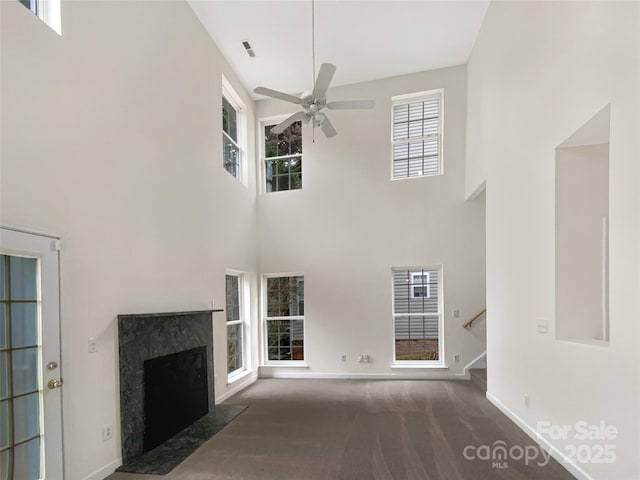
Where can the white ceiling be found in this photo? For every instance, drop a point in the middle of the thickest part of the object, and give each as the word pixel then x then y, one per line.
pixel 365 39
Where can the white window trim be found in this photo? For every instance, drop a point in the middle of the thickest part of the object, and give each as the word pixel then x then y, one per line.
pixel 49 11
pixel 244 301
pixel 264 354
pixel 413 98
pixel 236 102
pixel 262 176
pixel 441 355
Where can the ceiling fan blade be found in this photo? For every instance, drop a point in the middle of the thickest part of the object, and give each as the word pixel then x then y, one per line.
pixel 282 126
pixel 351 104
pixel 325 75
pixel 327 128
pixel 276 94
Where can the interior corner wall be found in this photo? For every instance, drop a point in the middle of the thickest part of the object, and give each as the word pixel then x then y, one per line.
pixel 538 71
pixel 112 138
pixel 350 224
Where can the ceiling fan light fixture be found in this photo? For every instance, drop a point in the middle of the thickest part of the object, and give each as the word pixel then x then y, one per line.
pixel 315 100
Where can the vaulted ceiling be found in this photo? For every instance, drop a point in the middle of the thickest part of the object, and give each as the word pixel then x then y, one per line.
pixel 365 39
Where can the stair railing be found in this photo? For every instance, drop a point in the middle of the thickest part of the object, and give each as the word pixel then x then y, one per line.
pixel 470 322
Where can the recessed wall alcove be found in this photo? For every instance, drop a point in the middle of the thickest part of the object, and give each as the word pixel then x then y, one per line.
pixel 582 233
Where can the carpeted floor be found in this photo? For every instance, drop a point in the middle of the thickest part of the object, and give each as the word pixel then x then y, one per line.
pixel 362 429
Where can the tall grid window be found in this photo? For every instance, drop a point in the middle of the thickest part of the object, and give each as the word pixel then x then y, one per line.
pixel 417 135
pixel 283 158
pixel 417 314
pixel 235 323
pixel 284 318
pixel 20 389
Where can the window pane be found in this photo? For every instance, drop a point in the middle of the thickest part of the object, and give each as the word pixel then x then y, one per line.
pixel 26 417
pixel 415 291
pixel 27 460
pixel 230 157
pixel 4 332
pixel 416 338
pixel 285 296
pixel 229 120
pixel 5 422
pixel 4 374
pixel 25 370
pixel 24 324
pixel 233 298
pixel 289 142
pixel 234 348
pixel 283 182
pixel 285 339
pixel 23 281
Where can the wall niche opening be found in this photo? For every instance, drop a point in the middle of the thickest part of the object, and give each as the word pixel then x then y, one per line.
pixel 582 233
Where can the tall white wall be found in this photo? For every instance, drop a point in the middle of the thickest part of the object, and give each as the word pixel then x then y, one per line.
pixel 350 224
pixel 540 70
pixel 111 137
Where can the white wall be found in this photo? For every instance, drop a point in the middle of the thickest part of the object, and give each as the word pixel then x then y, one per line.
pixel 350 224
pixel 538 72
pixel 111 137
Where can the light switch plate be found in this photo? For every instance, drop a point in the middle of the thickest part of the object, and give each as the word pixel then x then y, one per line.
pixel 542 325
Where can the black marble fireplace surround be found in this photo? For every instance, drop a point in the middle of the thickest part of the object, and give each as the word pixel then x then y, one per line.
pixel 143 337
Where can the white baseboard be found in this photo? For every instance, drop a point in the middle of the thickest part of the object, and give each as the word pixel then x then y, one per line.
pixel 559 456
pixel 105 471
pixel 469 365
pixel 270 373
pixel 244 383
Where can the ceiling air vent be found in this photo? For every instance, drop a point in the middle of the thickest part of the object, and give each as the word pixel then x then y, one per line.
pixel 248 48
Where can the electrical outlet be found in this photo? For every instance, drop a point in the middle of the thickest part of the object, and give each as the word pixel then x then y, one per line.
pixel 365 358
pixel 456 358
pixel 526 400
pixel 93 345
pixel 456 313
pixel 343 357
pixel 107 432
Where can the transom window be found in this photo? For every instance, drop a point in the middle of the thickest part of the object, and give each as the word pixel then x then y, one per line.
pixel 417 135
pixel 284 317
pixel 283 158
pixel 417 315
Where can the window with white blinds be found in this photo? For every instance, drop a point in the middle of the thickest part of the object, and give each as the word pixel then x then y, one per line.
pixel 417 314
pixel 417 135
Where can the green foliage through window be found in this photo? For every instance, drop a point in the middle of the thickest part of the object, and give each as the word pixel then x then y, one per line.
pixel 283 162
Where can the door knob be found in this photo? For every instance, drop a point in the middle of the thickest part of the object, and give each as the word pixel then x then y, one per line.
pixel 54 384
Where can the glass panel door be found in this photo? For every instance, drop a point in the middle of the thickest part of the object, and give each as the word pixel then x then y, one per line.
pixel 21 398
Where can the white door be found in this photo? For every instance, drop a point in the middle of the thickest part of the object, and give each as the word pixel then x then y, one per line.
pixel 31 406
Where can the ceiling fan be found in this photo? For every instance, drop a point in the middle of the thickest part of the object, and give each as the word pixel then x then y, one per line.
pixel 313 102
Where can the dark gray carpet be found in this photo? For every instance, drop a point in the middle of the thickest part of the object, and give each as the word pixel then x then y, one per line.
pixel 360 429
